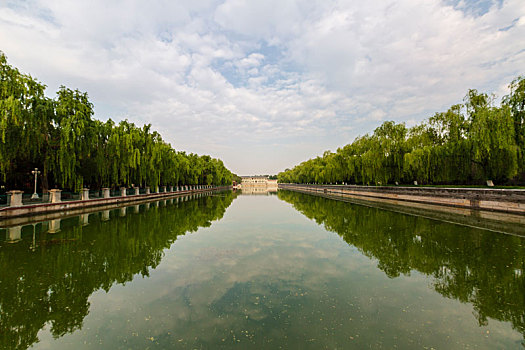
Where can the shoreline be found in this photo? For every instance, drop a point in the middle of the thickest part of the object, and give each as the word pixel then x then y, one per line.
pixel 69 207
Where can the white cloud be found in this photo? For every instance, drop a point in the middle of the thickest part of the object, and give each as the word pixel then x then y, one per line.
pixel 265 85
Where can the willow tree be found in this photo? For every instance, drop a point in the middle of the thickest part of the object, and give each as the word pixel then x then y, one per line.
pixel 469 143
pixel 491 138
pixel 126 146
pixel 419 161
pixel 25 123
pixel 61 137
pixel 77 137
pixel 493 146
pixel 448 136
pixel 516 102
pixel 391 138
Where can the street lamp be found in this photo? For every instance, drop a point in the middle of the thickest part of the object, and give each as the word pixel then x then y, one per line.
pixel 35 172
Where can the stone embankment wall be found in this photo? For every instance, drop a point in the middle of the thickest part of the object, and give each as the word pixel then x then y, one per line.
pixel 14 211
pixel 499 200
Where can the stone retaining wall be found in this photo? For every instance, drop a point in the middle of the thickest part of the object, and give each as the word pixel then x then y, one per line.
pixel 500 200
pixel 39 209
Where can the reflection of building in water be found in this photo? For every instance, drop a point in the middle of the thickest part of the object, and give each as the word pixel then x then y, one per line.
pixel 258 185
pixel 257 190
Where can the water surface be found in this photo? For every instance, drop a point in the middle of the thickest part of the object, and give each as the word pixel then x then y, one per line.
pixel 254 272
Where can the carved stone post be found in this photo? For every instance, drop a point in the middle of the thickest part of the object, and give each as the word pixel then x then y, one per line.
pixel 85 194
pixel 56 197
pixel 15 198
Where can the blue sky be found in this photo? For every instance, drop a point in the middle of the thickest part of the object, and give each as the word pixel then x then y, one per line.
pixel 264 85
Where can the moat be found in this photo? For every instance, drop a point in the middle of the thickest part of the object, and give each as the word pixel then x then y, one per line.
pixel 286 270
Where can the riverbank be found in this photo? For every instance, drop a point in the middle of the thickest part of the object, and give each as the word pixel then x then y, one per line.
pixel 511 201
pixel 41 211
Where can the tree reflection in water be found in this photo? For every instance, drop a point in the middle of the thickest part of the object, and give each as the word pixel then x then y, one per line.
pixel 51 284
pixel 471 265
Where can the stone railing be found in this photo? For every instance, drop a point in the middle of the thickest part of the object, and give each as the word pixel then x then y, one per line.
pixel 16 207
pixel 15 196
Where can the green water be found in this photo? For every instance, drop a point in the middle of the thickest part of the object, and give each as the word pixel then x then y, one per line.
pixel 289 271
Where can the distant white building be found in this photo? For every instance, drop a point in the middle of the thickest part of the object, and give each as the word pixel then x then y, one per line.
pixel 255 184
pixel 254 180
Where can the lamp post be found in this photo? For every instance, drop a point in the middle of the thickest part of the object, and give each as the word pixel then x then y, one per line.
pixel 35 172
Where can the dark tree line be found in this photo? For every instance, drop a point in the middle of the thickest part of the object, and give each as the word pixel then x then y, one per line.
pixel 468 144
pixel 73 150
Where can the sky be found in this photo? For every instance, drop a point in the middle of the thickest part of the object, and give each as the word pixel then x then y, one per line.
pixel 265 85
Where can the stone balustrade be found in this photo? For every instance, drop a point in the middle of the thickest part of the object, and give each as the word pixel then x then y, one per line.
pixel 15 196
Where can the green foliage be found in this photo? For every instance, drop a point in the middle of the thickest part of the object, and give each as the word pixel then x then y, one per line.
pixel 516 102
pixel 54 283
pixel 237 178
pixel 462 260
pixel 74 150
pixel 73 113
pixel 26 128
pixel 468 144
